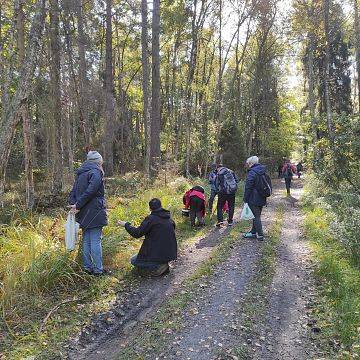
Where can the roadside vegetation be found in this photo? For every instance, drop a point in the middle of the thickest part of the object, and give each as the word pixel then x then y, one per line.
pixel 40 280
pixel 331 227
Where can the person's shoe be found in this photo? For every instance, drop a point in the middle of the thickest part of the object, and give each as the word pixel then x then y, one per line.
pixel 230 223
pixel 249 235
pixel 220 224
pixel 103 273
pixel 260 237
pixel 89 272
pixel 161 270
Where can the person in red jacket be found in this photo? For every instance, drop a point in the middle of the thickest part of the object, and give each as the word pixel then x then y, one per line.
pixel 194 199
pixel 288 171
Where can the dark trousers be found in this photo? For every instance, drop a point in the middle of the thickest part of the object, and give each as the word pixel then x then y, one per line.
pixel 288 184
pixel 148 265
pixel 211 199
pixel 257 224
pixel 222 199
pixel 197 208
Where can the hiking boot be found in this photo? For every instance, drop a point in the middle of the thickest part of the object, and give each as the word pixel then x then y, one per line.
pixel 220 224
pixel 230 223
pixel 249 235
pixel 260 237
pixel 163 269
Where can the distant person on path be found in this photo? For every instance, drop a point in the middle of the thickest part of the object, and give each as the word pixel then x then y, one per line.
pixel 159 246
pixel 227 184
pixel 299 169
pixel 194 199
pixel 254 196
pixel 280 171
pixel 288 171
pixel 212 182
pixel 87 200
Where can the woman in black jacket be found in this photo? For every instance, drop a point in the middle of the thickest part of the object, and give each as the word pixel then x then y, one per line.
pixel 159 246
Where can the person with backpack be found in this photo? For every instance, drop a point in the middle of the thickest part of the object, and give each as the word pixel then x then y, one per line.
pixel 212 183
pixel 159 245
pixel 87 201
pixel 257 189
pixel 288 171
pixel 227 185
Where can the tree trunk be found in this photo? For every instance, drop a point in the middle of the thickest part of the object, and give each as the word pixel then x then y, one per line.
pixel 55 91
pixel 83 82
pixel 24 112
pixel 357 47
pixel 109 95
pixel 145 82
pixel 327 72
pixel 155 99
pixel 11 113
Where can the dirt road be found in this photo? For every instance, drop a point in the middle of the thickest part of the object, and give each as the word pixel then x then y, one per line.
pixel 251 302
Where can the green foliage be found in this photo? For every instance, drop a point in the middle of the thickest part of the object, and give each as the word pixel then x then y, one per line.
pixel 340 282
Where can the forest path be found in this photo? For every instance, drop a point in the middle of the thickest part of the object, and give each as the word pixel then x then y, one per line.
pixel 232 313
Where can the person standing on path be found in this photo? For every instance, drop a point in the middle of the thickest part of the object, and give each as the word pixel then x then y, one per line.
pixel 227 184
pixel 288 172
pixel 212 182
pixel 87 201
pixel 253 196
pixel 299 169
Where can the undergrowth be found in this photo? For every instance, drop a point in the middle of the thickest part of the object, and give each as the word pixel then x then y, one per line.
pixel 37 273
pixel 339 279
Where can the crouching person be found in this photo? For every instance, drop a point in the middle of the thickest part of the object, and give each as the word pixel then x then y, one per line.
pixel 159 246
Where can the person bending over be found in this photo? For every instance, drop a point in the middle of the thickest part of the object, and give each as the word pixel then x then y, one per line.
pixel 195 200
pixel 159 246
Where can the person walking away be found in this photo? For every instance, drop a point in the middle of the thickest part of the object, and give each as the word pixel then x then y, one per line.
pixel 195 200
pixel 280 171
pixel 288 172
pixel 213 188
pixel 159 246
pixel 87 200
pixel 257 188
pixel 227 184
pixel 299 169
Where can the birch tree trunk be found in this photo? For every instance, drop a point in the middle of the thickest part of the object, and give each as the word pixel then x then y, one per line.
pixel 145 82
pixel 155 97
pixel 11 112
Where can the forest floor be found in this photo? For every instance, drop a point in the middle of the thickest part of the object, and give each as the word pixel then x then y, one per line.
pixel 225 298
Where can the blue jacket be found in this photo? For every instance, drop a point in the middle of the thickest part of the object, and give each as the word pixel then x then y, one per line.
pixel 251 195
pixel 212 180
pixel 88 194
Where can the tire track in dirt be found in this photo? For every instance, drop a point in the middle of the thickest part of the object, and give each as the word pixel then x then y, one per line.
pixel 286 329
pixel 137 303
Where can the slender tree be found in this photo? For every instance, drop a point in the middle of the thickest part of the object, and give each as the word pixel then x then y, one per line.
pixel 24 111
pixel 145 82
pixel 109 94
pixel 156 95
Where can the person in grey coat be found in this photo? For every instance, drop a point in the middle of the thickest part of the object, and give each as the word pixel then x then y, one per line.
pixel 87 200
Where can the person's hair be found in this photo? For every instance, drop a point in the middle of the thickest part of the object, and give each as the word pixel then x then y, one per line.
pixel 252 160
pixel 154 204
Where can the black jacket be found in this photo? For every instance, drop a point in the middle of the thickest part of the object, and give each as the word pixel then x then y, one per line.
pixel 251 194
pixel 160 242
